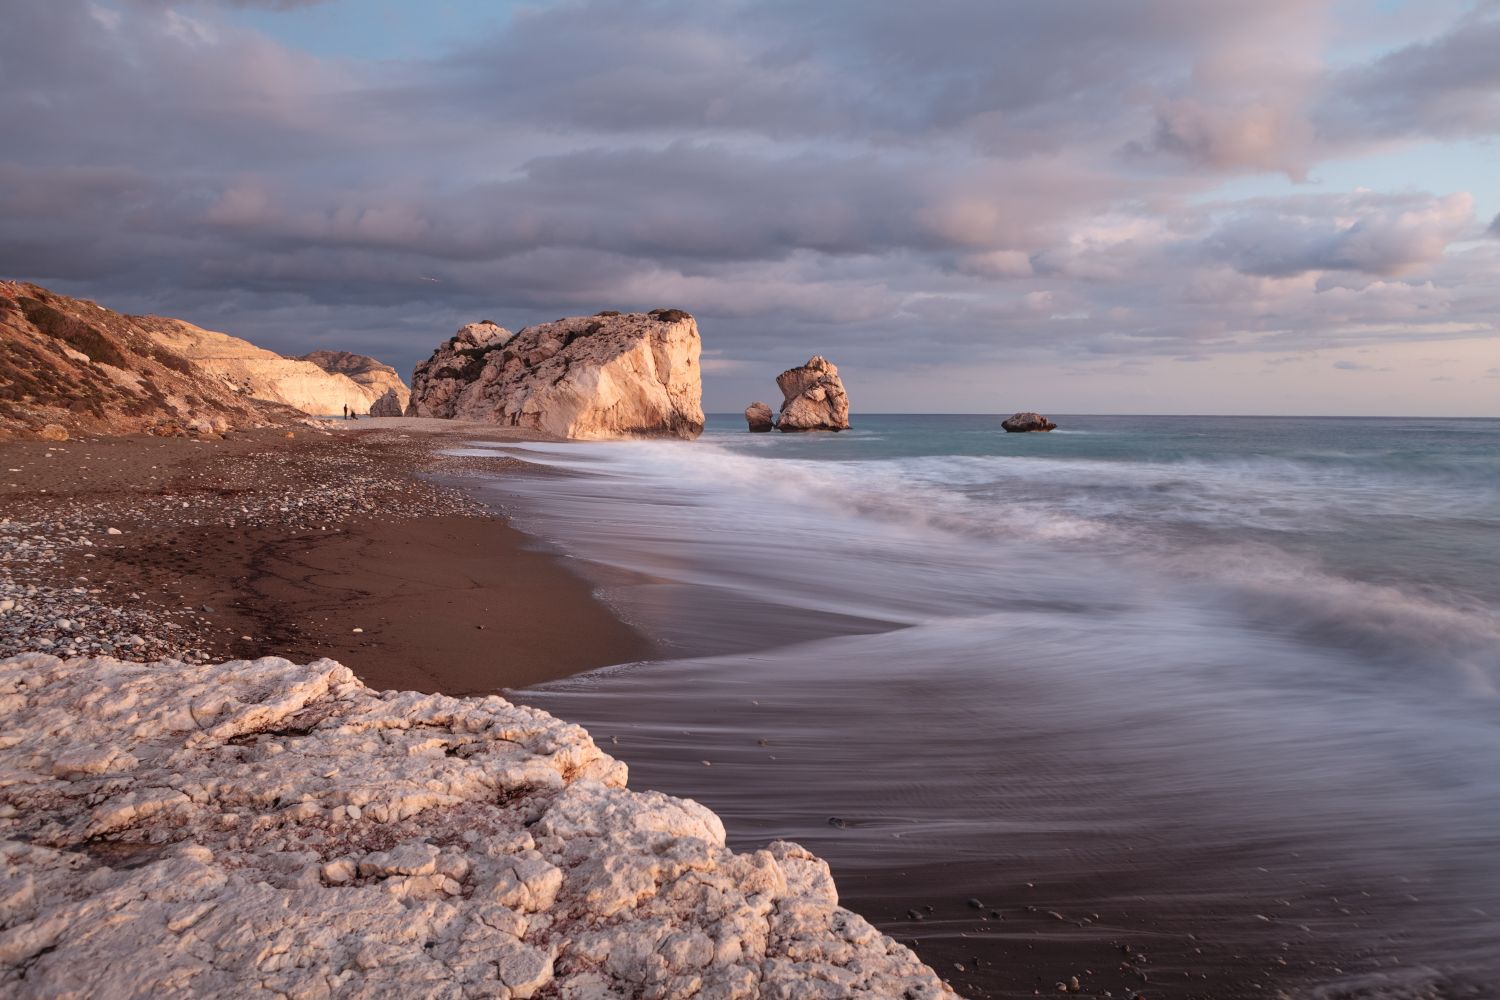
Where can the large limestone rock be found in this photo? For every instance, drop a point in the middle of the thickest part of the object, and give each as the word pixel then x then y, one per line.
pixel 437 382
pixel 71 366
pixel 605 376
pixel 1021 423
pixel 813 398
pixel 259 373
pixel 389 405
pixel 758 416
pixel 264 829
pixel 376 378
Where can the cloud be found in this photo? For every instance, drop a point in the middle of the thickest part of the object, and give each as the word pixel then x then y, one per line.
pixel 966 181
pixel 1447 86
pixel 1377 235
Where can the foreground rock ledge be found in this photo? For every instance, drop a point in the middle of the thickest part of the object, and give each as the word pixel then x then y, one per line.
pixel 262 828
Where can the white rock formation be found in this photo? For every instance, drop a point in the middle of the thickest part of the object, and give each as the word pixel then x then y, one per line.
pixel 591 377
pixel 438 381
pixel 264 829
pixel 376 378
pixel 813 398
pixel 259 373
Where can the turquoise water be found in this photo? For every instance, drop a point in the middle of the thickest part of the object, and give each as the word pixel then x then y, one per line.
pixel 1233 678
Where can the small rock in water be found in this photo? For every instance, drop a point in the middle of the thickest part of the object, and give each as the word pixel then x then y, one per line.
pixel 975 903
pixel 357 630
pixel 835 821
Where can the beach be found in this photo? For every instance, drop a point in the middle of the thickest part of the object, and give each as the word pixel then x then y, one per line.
pixel 1026 778
pixel 300 544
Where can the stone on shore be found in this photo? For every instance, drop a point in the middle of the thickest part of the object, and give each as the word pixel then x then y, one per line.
pixel 388 405
pixel 611 375
pixel 262 828
pixel 1025 422
pixel 758 415
pixel 813 398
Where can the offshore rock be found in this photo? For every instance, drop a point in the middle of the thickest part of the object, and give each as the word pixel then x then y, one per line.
pixel 265 829
pixel 813 398
pixel 611 375
pixel 758 415
pixel 1022 423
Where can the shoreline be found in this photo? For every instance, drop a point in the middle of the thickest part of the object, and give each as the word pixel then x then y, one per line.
pixel 203 551
pixel 332 543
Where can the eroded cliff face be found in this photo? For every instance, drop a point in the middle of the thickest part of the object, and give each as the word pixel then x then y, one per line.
pixel 813 397
pixel 259 373
pixel 267 829
pixel 610 375
pixel 437 382
pixel 71 366
pixel 376 378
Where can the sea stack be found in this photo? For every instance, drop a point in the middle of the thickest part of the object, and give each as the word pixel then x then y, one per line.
pixel 758 416
pixel 1022 423
pixel 813 398
pixel 610 375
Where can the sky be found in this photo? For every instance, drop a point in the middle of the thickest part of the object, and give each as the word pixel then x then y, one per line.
pixel 1072 206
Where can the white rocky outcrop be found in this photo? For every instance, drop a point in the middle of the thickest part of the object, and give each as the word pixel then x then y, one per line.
pixel 813 397
pixel 259 373
pixel 265 829
pixel 376 378
pixel 591 377
pixel 437 382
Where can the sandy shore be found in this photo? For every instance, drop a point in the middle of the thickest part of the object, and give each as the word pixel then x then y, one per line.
pixel 338 544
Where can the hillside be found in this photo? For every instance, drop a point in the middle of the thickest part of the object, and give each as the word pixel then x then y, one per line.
pixel 74 364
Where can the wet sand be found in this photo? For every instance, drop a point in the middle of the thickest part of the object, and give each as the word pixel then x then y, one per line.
pixel 260 544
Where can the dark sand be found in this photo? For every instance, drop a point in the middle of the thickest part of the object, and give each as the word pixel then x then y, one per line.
pixel 284 546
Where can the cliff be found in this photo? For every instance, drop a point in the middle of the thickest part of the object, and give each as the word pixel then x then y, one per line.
pixel 260 828
pixel 70 366
pixel 375 377
pixel 259 373
pixel 605 376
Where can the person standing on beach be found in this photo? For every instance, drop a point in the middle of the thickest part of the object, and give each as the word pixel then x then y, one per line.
pixel 346 411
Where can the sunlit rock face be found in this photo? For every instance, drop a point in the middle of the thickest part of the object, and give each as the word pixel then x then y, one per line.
pixel 258 373
pixel 268 829
pixel 70 366
pixel 813 398
pixel 438 381
pixel 376 378
pixel 611 375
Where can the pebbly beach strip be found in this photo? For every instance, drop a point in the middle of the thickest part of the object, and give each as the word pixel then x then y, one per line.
pixel 232 719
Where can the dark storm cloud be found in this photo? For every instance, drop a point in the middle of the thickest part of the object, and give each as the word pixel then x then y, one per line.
pixel 897 182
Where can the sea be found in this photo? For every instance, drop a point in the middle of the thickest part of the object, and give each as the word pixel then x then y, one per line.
pixel 1180 706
